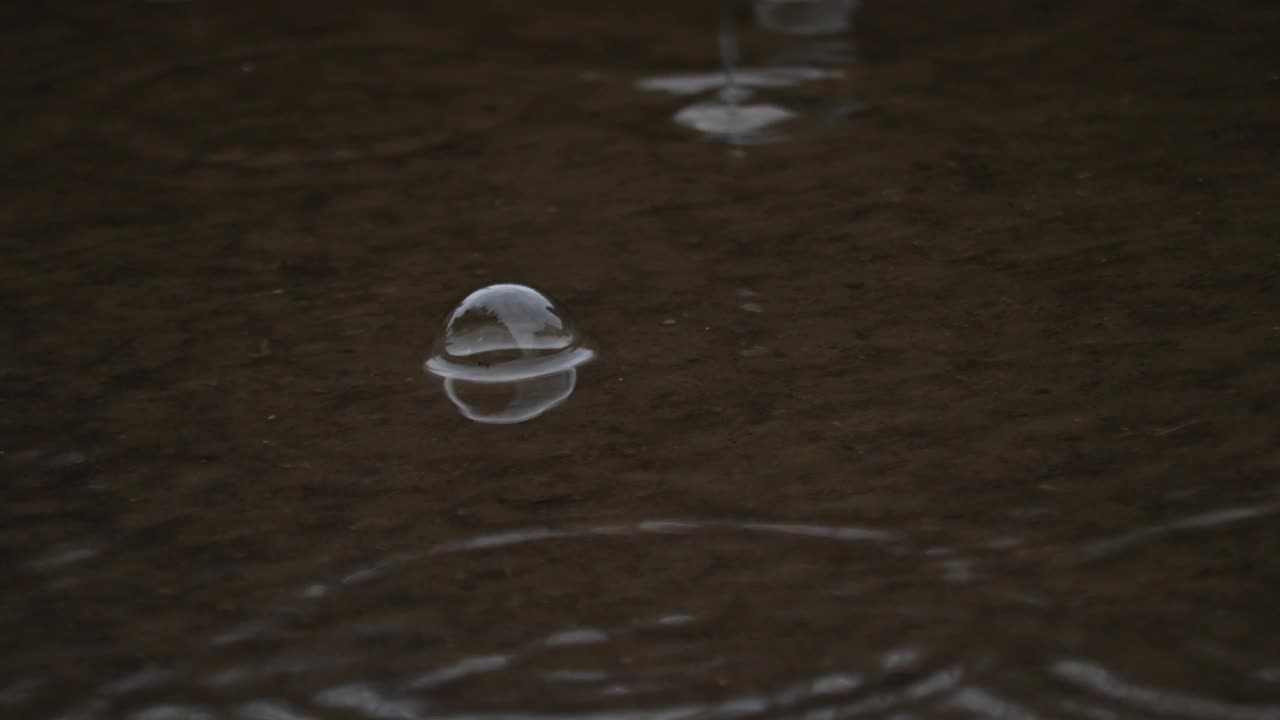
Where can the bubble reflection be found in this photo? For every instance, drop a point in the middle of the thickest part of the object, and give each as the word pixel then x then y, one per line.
pixel 511 402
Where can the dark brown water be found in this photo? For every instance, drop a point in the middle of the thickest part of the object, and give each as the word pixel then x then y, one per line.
pixel 966 407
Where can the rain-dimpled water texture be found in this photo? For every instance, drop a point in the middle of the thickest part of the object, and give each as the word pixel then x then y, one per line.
pixel 507 354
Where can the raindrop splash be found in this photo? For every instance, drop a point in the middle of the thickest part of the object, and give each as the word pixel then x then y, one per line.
pixel 731 113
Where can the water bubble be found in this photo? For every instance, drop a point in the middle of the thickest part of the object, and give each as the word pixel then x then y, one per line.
pixel 507 355
pixel 503 333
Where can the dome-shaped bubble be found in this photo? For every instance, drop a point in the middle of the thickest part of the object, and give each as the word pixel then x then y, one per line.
pixel 504 333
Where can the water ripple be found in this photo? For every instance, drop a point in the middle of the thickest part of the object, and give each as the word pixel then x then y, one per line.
pixel 174 712
pixel 269 710
pixel 1166 703
pixel 365 699
pixel 1111 546
pixel 664 527
pixel 62 558
pixel 19 692
pixel 460 670
pixel 648 666
pixel 986 704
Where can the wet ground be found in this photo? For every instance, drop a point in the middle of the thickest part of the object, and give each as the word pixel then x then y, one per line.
pixel 966 407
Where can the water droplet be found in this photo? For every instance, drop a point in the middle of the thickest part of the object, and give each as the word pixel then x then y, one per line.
pixel 507 355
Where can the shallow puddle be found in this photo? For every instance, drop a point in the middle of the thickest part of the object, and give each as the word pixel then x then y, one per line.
pixel 962 408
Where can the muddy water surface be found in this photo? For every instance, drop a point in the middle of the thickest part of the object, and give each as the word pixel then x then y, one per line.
pixel 966 407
